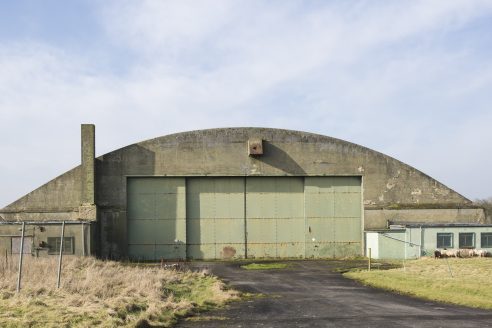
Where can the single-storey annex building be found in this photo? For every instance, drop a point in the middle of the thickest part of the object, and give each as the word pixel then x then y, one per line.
pixel 413 240
pixel 225 194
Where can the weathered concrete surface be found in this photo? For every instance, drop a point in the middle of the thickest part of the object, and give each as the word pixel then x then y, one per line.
pixel 387 182
pixel 377 218
pixel 37 237
pixel 309 295
pixel 88 164
pixel 223 152
pixel 58 199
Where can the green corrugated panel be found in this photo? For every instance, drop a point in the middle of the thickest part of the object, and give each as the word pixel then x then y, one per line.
pixel 333 216
pixel 347 204
pixel 284 217
pixel 156 218
pixel 215 218
pixel 275 216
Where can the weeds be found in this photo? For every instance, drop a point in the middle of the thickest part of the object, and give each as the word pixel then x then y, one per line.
pixel 103 293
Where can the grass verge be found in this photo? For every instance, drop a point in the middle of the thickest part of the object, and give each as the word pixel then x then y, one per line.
pixel 103 294
pixel 465 282
pixel 264 266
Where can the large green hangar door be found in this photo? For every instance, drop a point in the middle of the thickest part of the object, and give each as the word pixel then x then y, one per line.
pixel 333 216
pixel 275 216
pixel 156 218
pixel 215 226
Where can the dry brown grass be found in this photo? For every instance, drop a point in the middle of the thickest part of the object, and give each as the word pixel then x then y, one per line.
pixel 102 293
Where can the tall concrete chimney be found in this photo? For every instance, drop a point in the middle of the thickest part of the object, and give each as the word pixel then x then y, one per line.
pixel 88 173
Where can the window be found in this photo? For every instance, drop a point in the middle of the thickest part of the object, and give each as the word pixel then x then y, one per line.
pixel 54 245
pixel 486 238
pixel 445 240
pixel 467 240
pixel 15 245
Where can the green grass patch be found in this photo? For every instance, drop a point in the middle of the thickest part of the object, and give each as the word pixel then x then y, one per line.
pixel 199 292
pixel 264 266
pixel 206 318
pixel 465 282
pixel 343 266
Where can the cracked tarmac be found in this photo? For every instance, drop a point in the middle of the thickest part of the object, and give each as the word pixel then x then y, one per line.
pixel 313 294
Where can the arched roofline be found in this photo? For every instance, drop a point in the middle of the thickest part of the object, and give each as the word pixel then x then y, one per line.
pixel 252 131
pixel 296 132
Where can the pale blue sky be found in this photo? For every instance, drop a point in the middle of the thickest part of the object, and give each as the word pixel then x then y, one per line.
pixel 412 79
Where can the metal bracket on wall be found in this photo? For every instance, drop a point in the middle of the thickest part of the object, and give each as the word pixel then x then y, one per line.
pixel 255 147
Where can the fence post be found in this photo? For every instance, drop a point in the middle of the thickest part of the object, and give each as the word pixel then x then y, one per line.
pixel 61 255
pixel 21 255
pixel 369 260
pixel 83 239
pixel 449 268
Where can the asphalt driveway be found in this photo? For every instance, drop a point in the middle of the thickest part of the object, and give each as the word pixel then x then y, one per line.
pixel 313 294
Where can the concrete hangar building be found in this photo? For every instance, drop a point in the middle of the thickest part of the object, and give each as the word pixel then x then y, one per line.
pixel 225 194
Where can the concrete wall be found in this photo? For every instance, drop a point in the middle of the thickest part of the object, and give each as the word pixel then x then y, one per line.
pixel 58 199
pixel 429 236
pixel 392 244
pixel 378 218
pixel 40 233
pixel 414 242
pixel 372 242
pixel 391 188
pixel 223 152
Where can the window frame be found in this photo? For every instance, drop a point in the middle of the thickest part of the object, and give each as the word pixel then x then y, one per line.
pixel 15 245
pixel 488 236
pixel 68 245
pixel 442 234
pixel 466 246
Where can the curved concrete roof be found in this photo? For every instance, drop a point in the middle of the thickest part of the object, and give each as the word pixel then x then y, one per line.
pixel 387 182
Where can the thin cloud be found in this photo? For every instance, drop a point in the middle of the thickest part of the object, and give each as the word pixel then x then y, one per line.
pixel 388 75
